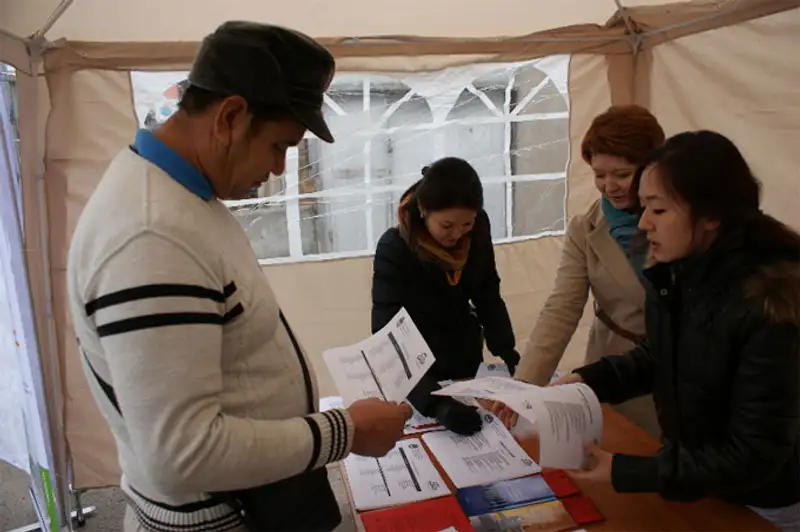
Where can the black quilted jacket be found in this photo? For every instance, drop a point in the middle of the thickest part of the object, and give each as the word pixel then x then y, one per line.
pixel 453 319
pixel 723 363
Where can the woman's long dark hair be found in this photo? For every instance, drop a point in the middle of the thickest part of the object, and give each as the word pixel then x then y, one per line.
pixel 446 184
pixel 707 171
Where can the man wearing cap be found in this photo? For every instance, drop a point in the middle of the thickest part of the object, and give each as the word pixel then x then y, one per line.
pixel 210 398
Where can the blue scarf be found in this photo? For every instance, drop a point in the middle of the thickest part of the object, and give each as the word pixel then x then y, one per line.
pixel 623 227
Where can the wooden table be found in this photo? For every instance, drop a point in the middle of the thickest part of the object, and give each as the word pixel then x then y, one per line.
pixel 634 512
pixel 629 512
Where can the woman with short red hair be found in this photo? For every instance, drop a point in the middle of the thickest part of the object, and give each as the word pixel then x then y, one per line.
pixel 597 257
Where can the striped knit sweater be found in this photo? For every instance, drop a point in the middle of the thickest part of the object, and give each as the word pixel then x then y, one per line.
pixel 173 312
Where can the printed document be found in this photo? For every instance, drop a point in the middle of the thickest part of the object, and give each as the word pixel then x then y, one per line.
pixel 419 423
pixel 485 388
pixel 386 365
pixel 493 370
pixel 566 417
pixel 406 474
pixel 489 456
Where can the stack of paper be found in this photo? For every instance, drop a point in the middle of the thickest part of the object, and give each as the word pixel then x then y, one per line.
pixel 489 456
pixel 406 474
pixel 566 417
pixel 386 365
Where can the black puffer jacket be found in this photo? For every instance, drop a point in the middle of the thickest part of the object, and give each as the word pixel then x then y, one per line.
pixel 723 364
pixel 452 319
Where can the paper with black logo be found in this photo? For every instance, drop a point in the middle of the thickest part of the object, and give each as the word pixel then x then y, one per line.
pixel 386 365
pixel 405 475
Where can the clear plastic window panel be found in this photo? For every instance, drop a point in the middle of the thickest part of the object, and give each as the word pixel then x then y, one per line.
pixel 510 121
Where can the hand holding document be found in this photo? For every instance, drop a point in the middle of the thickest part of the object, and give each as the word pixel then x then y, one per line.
pixel 387 365
pixel 418 423
pixel 566 417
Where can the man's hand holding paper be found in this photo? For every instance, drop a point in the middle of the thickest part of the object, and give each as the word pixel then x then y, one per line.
pixel 379 425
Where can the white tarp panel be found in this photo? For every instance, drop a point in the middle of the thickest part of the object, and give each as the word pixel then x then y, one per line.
pixel 740 81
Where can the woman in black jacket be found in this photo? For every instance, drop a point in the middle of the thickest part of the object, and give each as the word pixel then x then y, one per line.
pixel 439 264
pixel 723 325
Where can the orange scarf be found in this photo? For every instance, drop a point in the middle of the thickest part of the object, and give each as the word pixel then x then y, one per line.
pixel 451 260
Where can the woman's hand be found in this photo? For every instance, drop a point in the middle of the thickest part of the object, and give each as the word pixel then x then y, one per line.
pixel 570 378
pixel 598 466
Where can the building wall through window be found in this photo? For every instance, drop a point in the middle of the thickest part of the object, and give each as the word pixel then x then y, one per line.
pixel 510 121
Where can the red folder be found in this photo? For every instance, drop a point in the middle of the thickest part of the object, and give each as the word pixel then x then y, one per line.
pixel 427 516
pixel 560 483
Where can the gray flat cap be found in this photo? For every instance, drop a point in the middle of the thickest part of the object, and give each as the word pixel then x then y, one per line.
pixel 267 65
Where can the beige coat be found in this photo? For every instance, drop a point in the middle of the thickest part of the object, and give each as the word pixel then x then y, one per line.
pixel 590 260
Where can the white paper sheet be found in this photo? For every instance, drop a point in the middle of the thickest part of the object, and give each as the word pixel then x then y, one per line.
pixel 13 440
pixel 331 402
pixel 493 370
pixel 566 417
pixel 387 365
pixel 484 387
pixel 406 474
pixel 419 423
pixel 489 456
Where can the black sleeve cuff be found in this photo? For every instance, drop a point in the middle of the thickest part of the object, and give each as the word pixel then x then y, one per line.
pixel 598 376
pixel 511 358
pixel 634 474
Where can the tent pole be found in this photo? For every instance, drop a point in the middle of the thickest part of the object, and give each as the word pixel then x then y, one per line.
pixel 49 346
pixel 59 10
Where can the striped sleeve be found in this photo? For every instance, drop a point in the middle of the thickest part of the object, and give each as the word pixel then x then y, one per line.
pixel 333 432
pixel 158 311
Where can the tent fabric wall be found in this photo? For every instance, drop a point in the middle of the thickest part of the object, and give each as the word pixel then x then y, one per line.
pixel 729 78
pixel 95 107
pixel 740 80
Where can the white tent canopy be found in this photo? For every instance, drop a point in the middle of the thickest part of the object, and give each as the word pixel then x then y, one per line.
pixel 718 64
pixel 157 21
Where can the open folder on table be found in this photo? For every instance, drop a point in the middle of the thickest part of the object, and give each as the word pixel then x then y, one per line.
pixel 566 417
pixel 387 365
